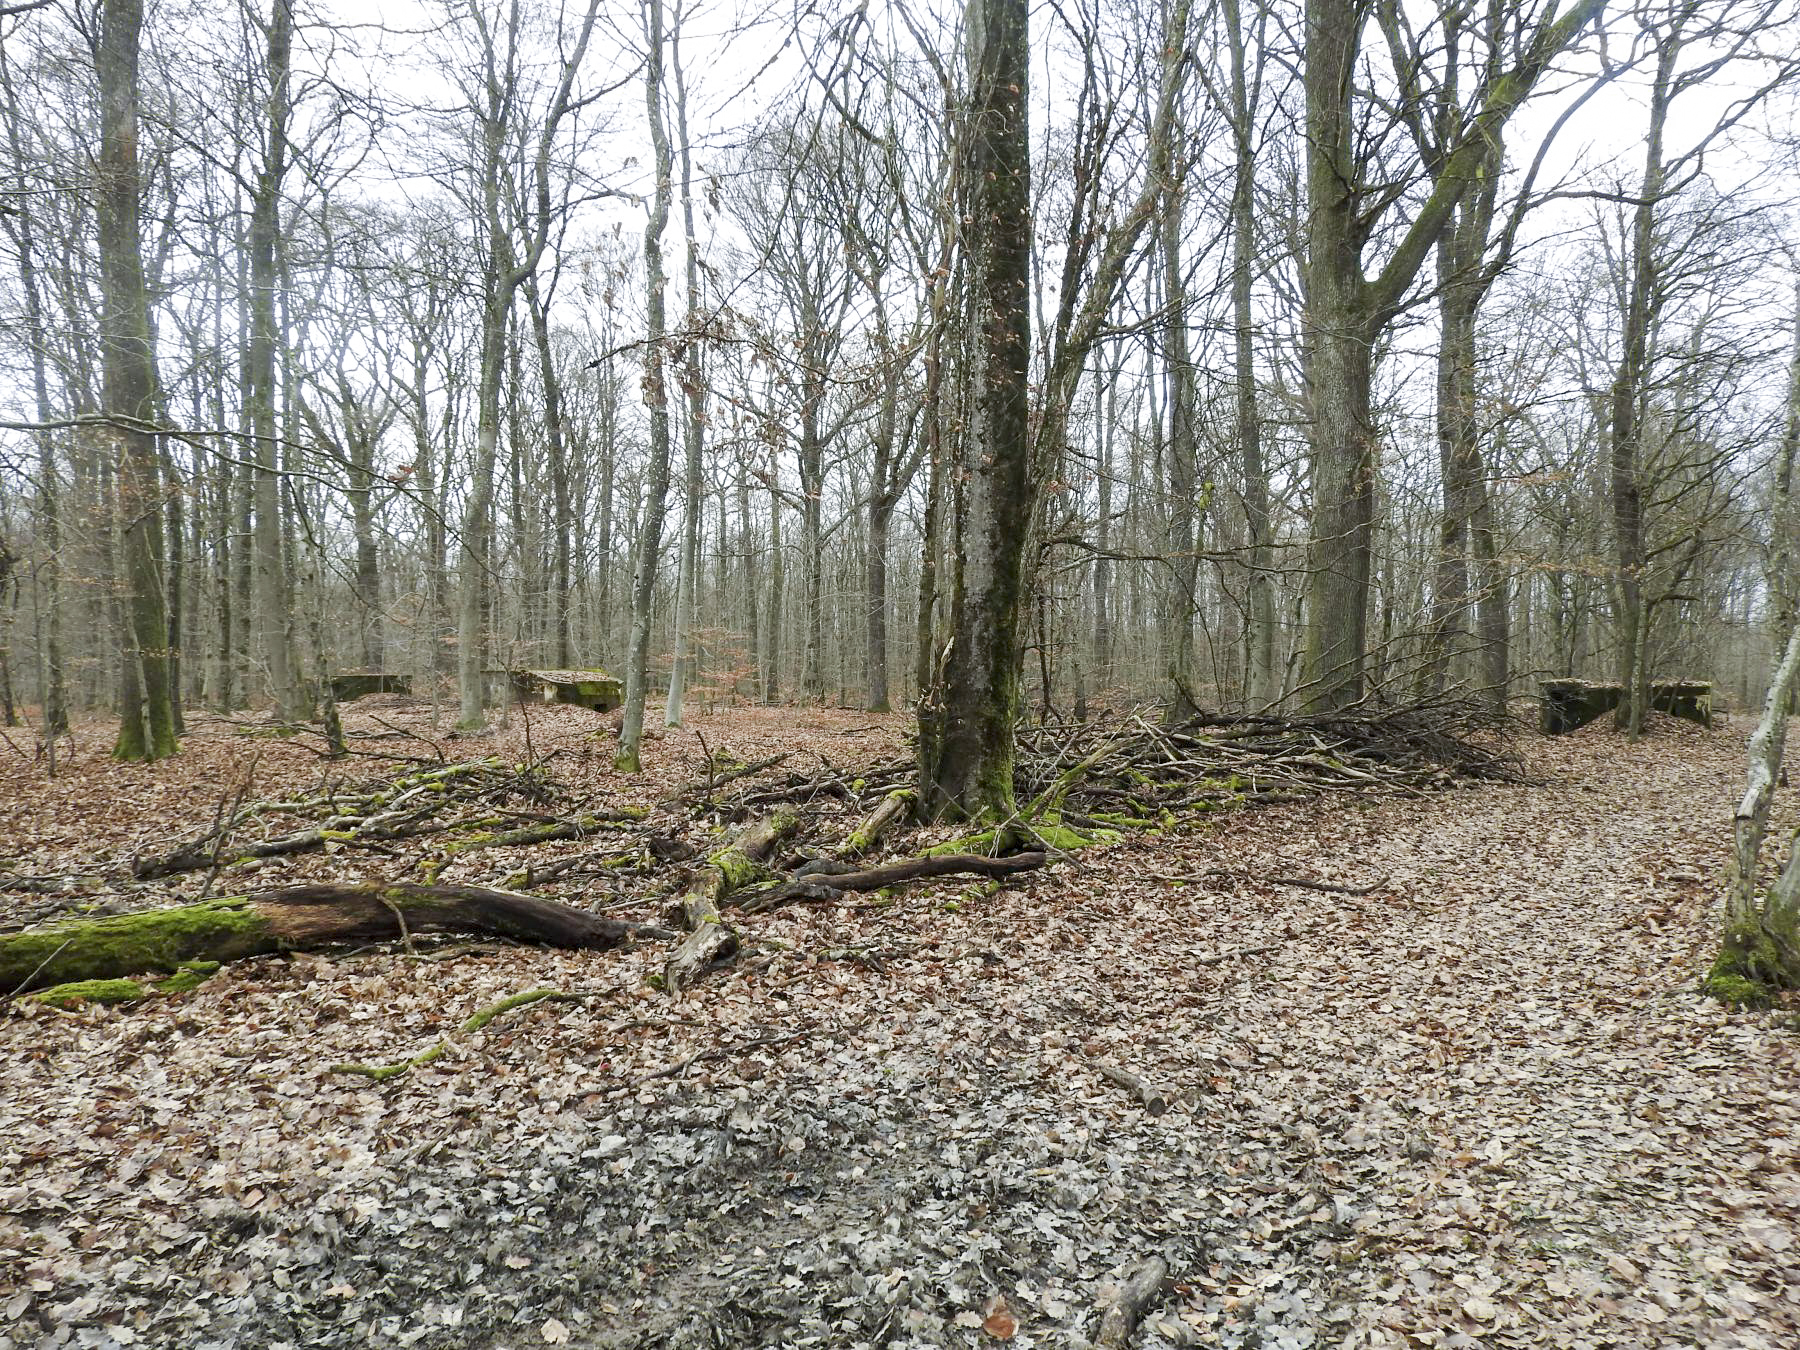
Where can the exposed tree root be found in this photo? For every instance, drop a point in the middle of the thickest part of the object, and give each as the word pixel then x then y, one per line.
pixel 824 882
pixel 1755 966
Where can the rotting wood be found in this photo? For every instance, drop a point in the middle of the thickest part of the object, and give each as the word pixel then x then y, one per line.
pixel 710 939
pixel 1140 1288
pixel 1154 1099
pixel 826 885
pixel 895 807
pixel 292 919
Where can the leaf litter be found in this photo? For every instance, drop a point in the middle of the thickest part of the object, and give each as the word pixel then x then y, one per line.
pixel 1480 1104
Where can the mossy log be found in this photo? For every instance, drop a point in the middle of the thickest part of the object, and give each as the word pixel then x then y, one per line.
pixel 872 828
pixel 710 939
pixel 293 919
pixel 191 976
pixel 1568 705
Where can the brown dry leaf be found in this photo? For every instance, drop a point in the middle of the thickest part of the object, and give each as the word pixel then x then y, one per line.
pixel 999 1322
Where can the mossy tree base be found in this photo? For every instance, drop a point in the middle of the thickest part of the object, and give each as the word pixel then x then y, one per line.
pixel 1754 966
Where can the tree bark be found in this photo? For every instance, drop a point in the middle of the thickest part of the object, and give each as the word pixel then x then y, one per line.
pixel 693 430
pixel 274 622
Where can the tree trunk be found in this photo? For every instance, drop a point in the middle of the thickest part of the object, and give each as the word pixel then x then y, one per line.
pixel 1264 675
pixel 656 395
pixel 146 717
pixel 777 588
pixel 687 585
pixel 273 621
pixel 562 503
pixel 1183 582
pixel 966 723
pixel 1346 313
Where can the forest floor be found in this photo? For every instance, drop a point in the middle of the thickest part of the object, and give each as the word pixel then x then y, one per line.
pixel 1480 1104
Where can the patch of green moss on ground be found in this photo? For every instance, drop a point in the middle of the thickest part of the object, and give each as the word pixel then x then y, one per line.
pixel 739 870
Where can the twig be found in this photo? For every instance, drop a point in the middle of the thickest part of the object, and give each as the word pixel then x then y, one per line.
pixel 1222 957
pixel 223 823
pixel 1155 1100
pixel 381 1073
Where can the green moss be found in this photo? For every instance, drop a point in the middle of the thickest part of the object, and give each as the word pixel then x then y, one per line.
pixel 77 992
pixel 739 870
pixel 1735 991
pixel 341 836
pixel 121 944
pixel 189 977
pixel 381 1073
pixel 982 843
pixel 1124 821
pixel 1749 969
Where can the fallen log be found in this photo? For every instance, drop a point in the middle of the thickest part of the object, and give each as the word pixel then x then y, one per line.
pixel 293 919
pixel 1152 1098
pixel 820 884
pixel 1142 1287
pixel 872 828
pixel 710 939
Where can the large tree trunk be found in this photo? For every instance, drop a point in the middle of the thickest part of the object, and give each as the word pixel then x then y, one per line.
pixel 1263 678
pixel 146 714
pixel 687 592
pixel 274 621
pixel 294 919
pixel 966 722
pixel 656 394
pixel 1346 312
pixel 1183 544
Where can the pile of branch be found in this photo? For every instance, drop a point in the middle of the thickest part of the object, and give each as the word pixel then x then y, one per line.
pixel 459 807
pixel 1136 769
